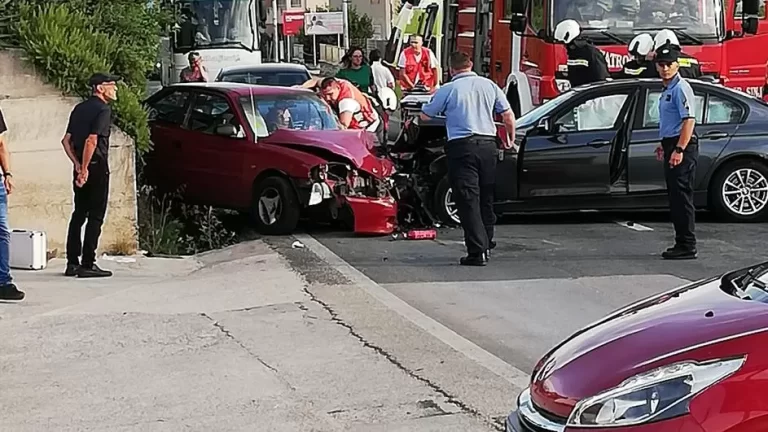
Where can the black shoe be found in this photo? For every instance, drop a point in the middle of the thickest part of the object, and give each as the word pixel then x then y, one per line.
pixel 10 292
pixel 71 270
pixel 679 254
pixel 92 272
pixel 491 246
pixel 474 260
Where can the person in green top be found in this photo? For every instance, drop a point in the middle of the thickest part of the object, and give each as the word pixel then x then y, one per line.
pixel 355 69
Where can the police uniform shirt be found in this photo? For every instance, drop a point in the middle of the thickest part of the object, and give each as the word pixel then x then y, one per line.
pixel 91 117
pixel 637 69
pixel 676 104
pixel 586 64
pixel 689 66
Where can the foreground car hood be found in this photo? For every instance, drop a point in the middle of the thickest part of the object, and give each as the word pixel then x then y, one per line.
pixel 353 145
pixel 637 339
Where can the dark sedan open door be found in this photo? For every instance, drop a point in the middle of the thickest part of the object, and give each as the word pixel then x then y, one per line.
pixel 572 153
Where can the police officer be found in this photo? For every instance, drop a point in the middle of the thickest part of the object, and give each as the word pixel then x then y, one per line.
pixel 640 66
pixel 8 290
pixel 689 65
pixel 469 103
pixel 678 150
pixel 586 64
pixel 86 143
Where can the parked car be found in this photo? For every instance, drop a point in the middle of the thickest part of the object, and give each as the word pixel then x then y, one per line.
pixel 271 74
pixel 275 152
pixel 694 358
pixel 592 147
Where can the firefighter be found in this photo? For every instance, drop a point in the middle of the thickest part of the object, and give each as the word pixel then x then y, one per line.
pixel 640 66
pixel 355 109
pixel 689 65
pixel 586 64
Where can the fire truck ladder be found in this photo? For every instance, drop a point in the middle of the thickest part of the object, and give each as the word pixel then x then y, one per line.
pixel 481 12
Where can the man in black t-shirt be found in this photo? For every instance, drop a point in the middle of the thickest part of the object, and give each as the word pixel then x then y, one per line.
pixel 8 290
pixel 87 146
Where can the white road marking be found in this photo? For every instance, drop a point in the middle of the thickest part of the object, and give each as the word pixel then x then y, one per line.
pixel 551 242
pixel 634 226
pixel 496 365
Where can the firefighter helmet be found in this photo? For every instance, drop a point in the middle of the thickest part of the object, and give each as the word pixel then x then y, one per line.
pixel 567 30
pixel 663 37
pixel 641 45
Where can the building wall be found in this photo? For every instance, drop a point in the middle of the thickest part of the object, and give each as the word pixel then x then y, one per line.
pixel 37 116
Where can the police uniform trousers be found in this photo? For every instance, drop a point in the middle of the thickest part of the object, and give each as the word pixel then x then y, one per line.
pixel 91 206
pixel 472 175
pixel 680 184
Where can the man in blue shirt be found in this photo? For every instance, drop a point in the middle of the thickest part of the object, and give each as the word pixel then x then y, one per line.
pixel 679 149
pixel 469 103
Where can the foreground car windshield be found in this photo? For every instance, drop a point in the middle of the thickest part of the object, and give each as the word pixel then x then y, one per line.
pixel 280 79
pixel 266 114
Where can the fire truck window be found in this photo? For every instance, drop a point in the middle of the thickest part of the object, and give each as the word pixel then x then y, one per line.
pixel 170 108
pixel 738 7
pixel 721 111
pixel 651 118
pixel 595 114
pixel 536 13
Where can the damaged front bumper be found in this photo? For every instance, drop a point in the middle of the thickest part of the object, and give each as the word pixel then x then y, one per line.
pixel 372 207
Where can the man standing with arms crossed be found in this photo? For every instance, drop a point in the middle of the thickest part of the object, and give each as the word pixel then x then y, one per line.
pixel 469 103
pixel 8 290
pixel 679 151
pixel 87 146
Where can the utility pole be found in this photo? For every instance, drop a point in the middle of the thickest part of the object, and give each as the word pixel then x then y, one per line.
pixel 275 34
pixel 345 12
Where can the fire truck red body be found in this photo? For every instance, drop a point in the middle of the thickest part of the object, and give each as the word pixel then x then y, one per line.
pixel 714 36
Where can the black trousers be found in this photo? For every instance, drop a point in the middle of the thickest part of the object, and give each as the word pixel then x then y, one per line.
pixel 472 175
pixel 680 184
pixel 91 206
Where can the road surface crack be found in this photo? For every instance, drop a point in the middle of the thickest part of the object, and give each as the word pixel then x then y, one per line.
pixel 232 337
pixel 391 358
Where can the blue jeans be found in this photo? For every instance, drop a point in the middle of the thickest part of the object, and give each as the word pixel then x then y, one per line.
pixel 5 238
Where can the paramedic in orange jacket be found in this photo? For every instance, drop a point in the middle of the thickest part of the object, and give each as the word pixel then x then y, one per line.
pixel 355 110
pixel 417 64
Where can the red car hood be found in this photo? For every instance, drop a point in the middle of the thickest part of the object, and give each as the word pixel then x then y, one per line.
pixel 635 340
pixel 353 145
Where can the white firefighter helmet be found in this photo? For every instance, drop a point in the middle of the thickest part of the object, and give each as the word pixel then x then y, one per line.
pixel 641 45
pixel 388 98
pixel 567 30
pixel 663 37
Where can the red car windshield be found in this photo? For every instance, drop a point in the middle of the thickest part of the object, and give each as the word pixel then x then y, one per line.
pixel 267 114
pixel 700 19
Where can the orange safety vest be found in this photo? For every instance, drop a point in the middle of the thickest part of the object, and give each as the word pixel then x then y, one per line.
pixel 363 118
pixel 422 68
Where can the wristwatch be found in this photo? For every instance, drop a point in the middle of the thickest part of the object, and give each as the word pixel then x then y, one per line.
pixel 8 174
pixel 679 149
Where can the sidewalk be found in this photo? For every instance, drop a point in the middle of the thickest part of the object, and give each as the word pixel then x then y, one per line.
pixel 227 341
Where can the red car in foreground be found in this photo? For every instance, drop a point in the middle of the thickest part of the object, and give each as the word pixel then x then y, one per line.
pixel 275 152
pixel 693 359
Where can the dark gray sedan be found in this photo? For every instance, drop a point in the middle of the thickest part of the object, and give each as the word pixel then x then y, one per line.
pixel 593 148
pixel 270 74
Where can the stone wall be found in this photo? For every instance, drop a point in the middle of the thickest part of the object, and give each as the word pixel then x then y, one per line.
pixel 37 116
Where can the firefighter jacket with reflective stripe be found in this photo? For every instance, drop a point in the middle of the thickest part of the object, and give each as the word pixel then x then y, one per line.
pixel 689 66
pixel 586 64
pixel 363 118
pixel 637 69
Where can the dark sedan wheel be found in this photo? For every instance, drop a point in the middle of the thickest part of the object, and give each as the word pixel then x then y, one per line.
pixel 444 203
pixel 275 208
pixel 740 191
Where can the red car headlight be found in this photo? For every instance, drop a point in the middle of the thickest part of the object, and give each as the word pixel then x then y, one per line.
pixel 652 396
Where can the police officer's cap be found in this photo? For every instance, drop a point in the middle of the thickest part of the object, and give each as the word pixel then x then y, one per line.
pixel 667 54
pixel 101 78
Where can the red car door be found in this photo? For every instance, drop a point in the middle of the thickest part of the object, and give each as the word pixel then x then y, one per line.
pixel 167 113
pixel 212 158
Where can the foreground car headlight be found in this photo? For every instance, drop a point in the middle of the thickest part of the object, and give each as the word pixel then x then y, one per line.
pixel 656 395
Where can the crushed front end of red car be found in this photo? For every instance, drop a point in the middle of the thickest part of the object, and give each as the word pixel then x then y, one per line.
pixel 367 195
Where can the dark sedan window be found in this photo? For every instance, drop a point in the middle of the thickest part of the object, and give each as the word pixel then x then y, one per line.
pixel 279 79
pixel 170 108
pixel 599 113
pixel 651 118
pixel 722 111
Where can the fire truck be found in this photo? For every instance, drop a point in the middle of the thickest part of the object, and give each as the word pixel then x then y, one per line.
pixel 224 32
pixel 511 40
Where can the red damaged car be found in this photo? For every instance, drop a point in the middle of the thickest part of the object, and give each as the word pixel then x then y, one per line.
pixel 278 153
pixel 693 359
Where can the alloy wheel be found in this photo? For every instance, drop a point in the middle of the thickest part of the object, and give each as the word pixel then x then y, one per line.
pixel 745 191
pixel 270 206
pixel 450 207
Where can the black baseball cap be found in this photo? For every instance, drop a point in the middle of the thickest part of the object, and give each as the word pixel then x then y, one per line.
pixel 667 54
pixel 101 78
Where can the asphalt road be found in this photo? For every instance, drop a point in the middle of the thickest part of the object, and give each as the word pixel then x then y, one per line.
pixel 548 276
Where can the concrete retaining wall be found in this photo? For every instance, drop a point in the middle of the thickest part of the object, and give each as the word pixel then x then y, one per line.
pixel 37 116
